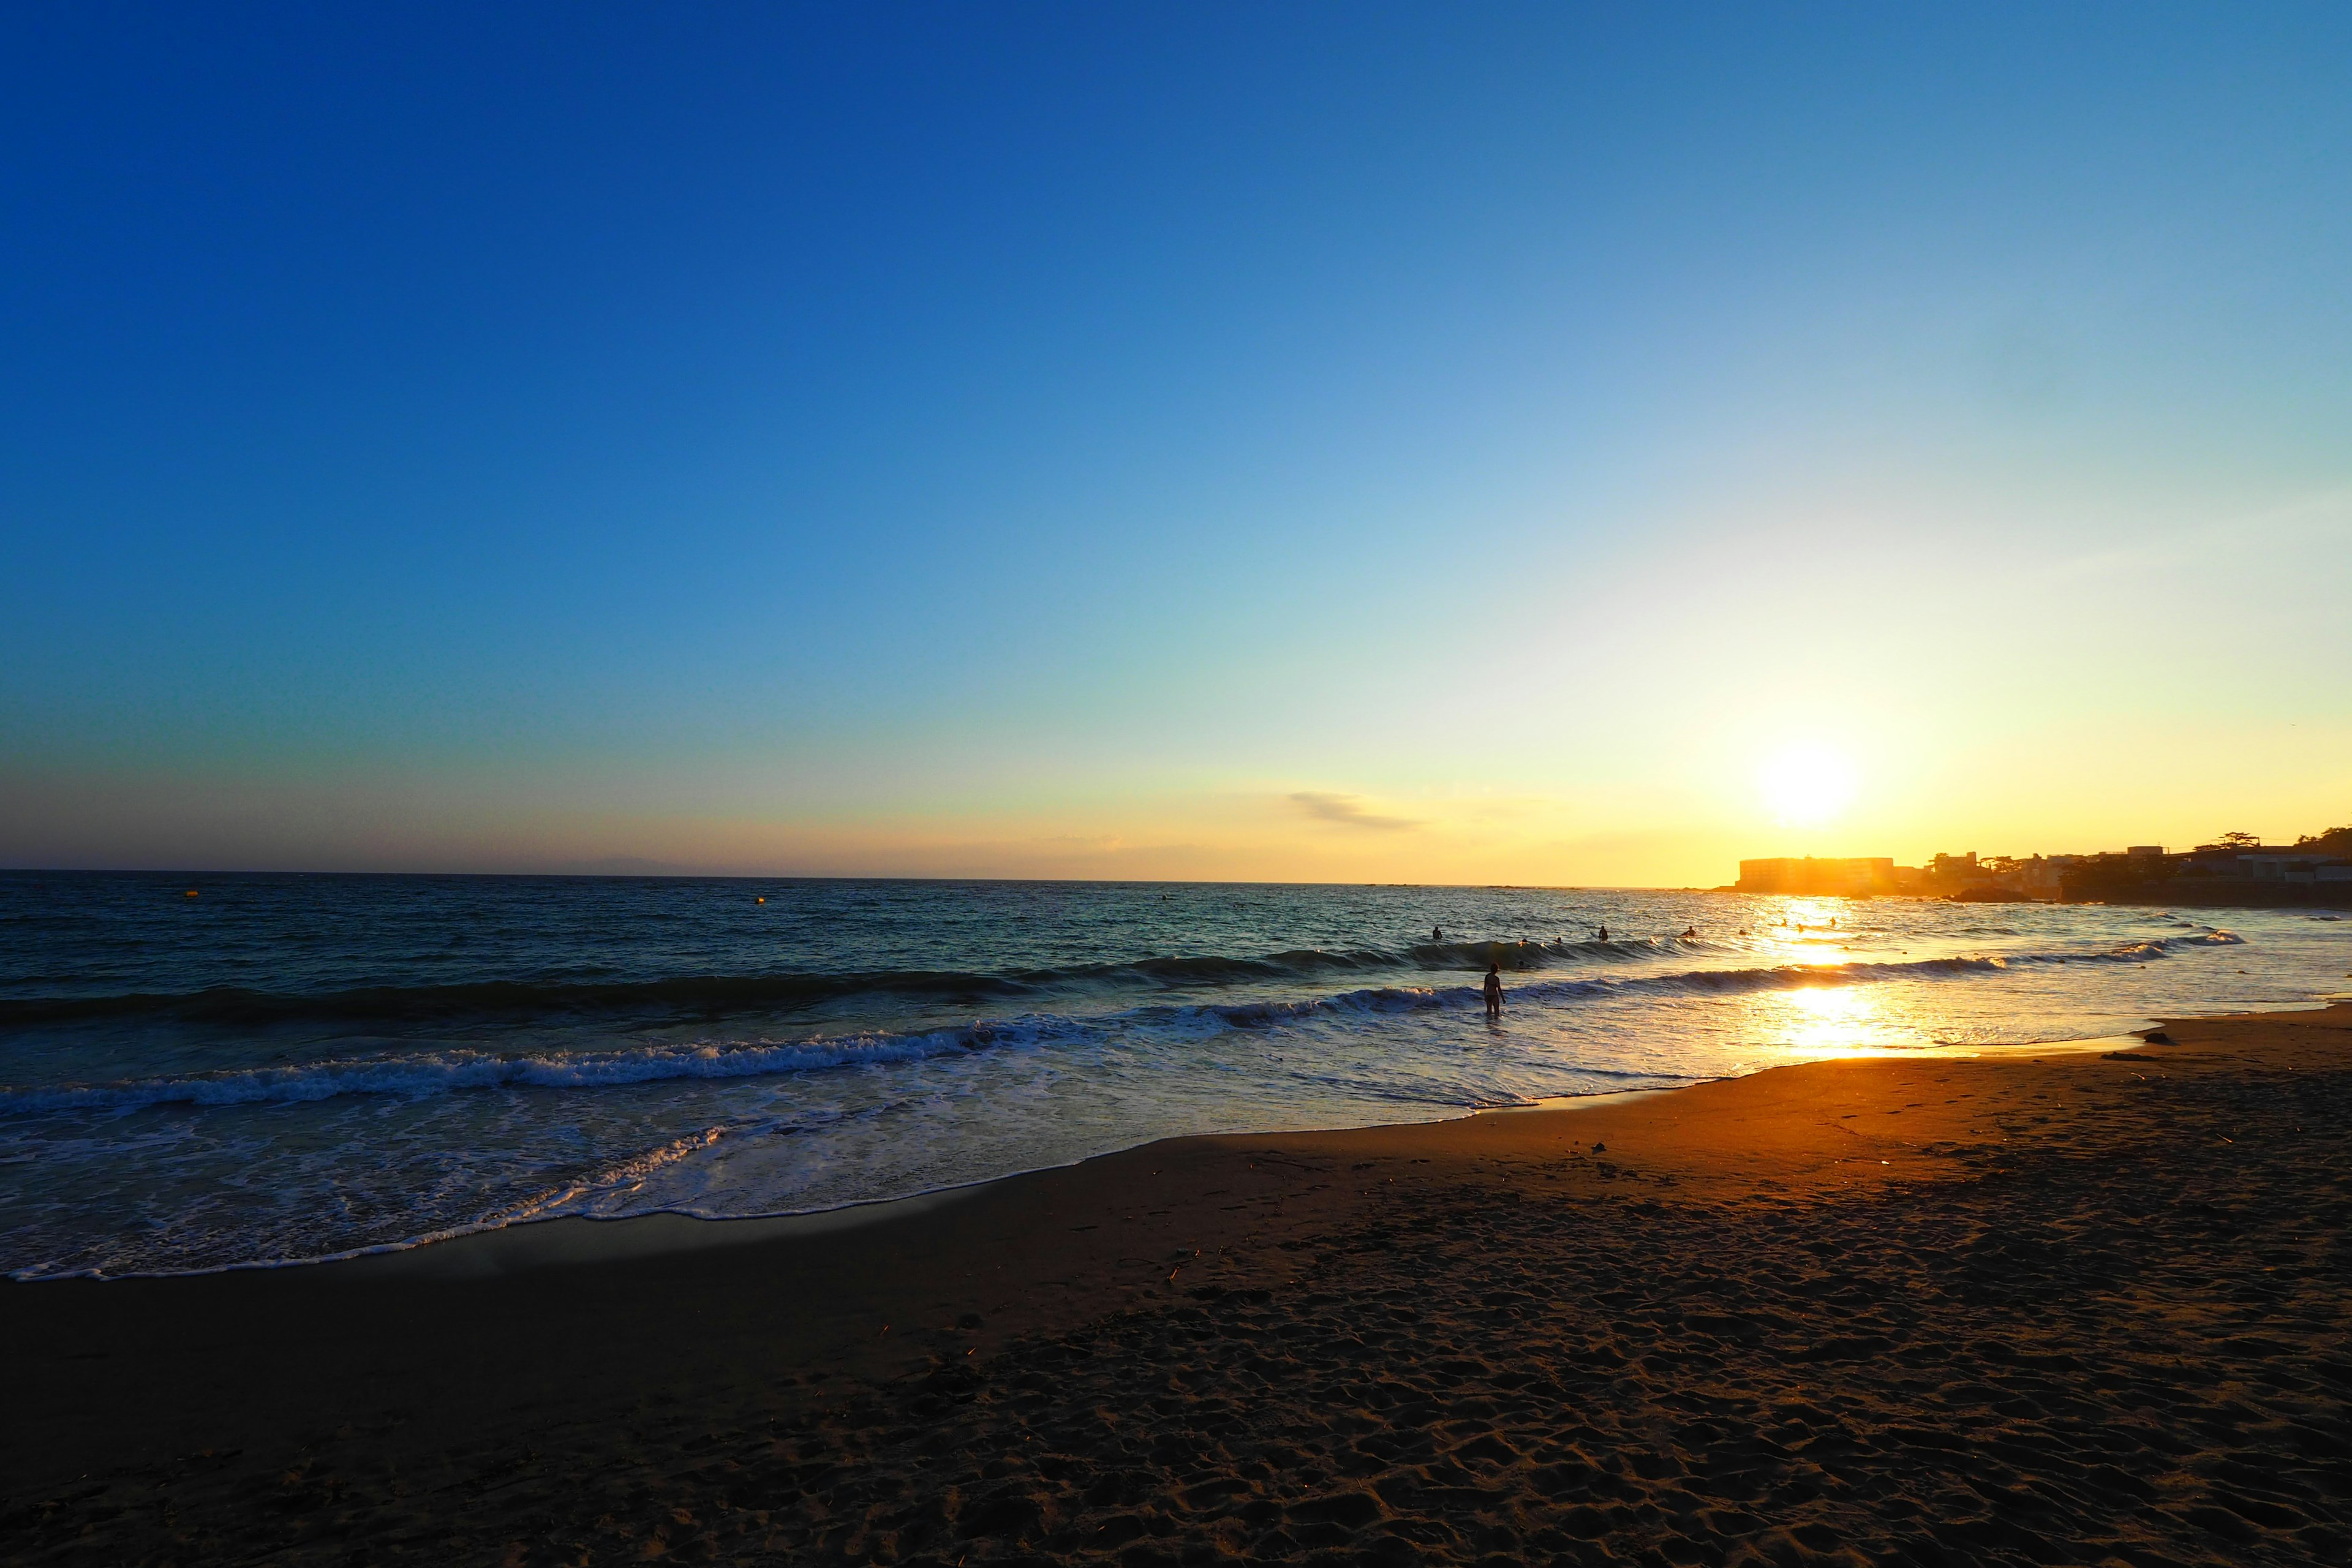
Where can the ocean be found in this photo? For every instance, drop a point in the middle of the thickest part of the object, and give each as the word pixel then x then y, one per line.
pixel 217 1071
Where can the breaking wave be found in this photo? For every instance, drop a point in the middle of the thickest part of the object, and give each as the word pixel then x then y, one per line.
pixel 448 1071
pixel 718 994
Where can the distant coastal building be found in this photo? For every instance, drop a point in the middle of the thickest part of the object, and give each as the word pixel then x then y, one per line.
pixel 1862 876
pixel 2238 869
pixel 1991 879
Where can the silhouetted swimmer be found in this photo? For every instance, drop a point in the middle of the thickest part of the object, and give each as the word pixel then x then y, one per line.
pixel 1437 933
pixel 1604 934
pixel 1690 931
pixel 1495 990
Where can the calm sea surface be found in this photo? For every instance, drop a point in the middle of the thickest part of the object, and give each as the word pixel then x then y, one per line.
pixel 286 1068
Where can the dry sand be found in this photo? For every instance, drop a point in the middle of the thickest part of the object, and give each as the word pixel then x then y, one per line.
pixel 2066 1307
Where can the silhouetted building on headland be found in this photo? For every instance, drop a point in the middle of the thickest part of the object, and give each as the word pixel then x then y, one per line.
pixel 1868 875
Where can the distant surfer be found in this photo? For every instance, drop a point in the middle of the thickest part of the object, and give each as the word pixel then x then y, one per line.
pixel 1604 934
pixel 1495 990
pixel 1437 933
pixel 1690 931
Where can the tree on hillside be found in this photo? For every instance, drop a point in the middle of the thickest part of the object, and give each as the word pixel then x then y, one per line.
pixel 2335 841
pixel 2238 841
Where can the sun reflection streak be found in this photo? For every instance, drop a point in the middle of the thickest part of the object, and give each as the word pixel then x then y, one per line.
pixel 1811 931
pixel 1815 1022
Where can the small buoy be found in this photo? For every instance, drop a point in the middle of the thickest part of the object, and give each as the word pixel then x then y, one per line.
pixel 190 893
pixel 763 900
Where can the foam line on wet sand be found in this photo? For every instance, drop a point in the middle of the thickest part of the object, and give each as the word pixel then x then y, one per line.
pixel 573 1239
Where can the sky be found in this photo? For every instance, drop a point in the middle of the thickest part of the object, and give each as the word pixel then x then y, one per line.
pixel 1538 444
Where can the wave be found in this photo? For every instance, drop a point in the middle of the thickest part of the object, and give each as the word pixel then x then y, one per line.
pixel 719 994
pixel 437 1072
pixel 714 994
pixel 1775 977
pixel 425 1073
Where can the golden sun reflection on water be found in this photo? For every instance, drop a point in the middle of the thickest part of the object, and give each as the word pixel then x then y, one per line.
pixel 1819 1021
pixel 1810 930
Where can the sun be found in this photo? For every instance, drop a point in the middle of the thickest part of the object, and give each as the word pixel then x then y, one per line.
pixel 1808 785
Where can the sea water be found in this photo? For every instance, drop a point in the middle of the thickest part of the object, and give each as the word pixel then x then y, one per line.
pixel 233 1071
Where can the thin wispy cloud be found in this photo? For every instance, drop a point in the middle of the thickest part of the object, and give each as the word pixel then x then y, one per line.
pixel 1347 811
pixel 2278 530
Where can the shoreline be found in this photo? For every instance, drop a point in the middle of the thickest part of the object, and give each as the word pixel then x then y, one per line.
pixel 570 1239
pixel 266 1411
pixel 575 1238
pixel 562 1240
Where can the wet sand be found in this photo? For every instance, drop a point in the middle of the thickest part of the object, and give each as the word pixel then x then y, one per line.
pixel 2043 1308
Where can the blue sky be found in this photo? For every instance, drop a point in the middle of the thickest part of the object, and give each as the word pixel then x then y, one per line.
pixel 1076 441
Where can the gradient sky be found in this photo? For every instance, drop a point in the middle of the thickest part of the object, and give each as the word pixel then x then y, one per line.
pixel 1327 442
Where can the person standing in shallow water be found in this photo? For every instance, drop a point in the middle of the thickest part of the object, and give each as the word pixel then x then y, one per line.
pixel 1495 990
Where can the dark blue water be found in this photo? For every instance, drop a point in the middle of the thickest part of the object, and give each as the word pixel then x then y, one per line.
pixel 282 1068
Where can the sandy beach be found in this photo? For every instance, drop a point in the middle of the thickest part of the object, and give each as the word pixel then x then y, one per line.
pixel 2036 1306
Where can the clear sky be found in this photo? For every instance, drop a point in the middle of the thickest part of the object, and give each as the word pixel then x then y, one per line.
pixel 1331 442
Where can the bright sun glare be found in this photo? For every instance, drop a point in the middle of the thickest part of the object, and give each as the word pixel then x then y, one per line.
pixel 1808 785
